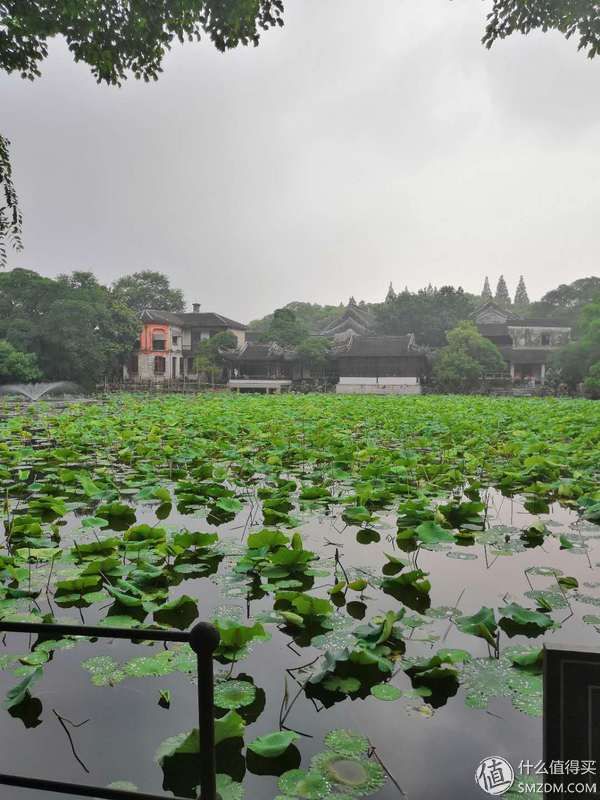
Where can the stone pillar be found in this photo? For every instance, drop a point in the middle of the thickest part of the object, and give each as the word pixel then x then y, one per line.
pixel 512 371
pixel 543 373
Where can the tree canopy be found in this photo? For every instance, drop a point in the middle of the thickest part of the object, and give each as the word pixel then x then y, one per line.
pixel 579 18
pixel 467 359
pixel 17 366
pixel 74 327
pixel 521 296
pixel 579 359
pixel 502 296
pixel 566 301
pixel 285 328
pixel 428 313
pixel 117 39
pixel 10 215
pixel 147 289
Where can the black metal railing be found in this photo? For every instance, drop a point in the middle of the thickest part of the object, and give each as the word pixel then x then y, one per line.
pixel 203 638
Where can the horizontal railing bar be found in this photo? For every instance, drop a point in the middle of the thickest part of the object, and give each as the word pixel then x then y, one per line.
pixel 78 790
pixel 95 631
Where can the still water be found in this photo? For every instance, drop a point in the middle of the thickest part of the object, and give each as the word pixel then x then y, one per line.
pixel 429 752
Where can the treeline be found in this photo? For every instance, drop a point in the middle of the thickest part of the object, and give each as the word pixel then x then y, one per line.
pixel 439 318
pixel 72 327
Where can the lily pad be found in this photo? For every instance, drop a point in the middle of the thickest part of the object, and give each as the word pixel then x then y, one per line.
pixel 272 745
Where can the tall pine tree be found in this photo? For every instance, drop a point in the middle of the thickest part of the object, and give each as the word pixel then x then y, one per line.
pixel 391 295
pixel 521 296
pixel 486 292
pixel 502 296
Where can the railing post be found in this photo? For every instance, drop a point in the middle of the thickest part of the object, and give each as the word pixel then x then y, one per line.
pixel 204 639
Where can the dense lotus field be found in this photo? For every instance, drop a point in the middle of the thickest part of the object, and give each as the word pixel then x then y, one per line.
pixel 383 573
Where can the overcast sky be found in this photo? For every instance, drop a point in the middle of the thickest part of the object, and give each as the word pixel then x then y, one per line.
pixel 347 150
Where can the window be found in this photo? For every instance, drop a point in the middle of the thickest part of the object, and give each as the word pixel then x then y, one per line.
pixel 190 362
pixel 133 365
pixel 160 364
pixel 175 340
pixel 545 339
pixel 181 366
pixel 159 340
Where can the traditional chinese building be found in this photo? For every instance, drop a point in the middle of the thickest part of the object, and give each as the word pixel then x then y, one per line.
pixel 378 365
pixel 360 362
pixel 526 343
pixel 169 342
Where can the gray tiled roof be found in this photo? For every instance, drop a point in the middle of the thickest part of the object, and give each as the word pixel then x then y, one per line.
pixel 372 346
pixel 527 322
pixel 524 355
pixel 205 319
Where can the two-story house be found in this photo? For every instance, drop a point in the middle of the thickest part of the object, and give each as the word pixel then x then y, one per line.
pixel 169 342
pixel 525 343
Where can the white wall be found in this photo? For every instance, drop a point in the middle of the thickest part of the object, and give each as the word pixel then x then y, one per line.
pixel 377 388
pixel 404 381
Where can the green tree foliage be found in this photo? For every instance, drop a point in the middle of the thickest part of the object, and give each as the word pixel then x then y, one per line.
pixel 313 316
pixel 209 356
pixel 591 384
pixel 521 296
pixel 468 357
pixel 566 301
pixel 17 366
pixel 117 39
pixel 579 18
pixel 427 313
pixel 391 294
pixel 314 352
pixel 502 296
pixel 285 328
pixel 148 289
pixel 577 359
pixel 74 326
pixel 10 216
pixel 212 348
pixel 486 292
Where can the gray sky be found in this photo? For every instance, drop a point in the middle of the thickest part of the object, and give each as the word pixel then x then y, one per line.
pixel 347 150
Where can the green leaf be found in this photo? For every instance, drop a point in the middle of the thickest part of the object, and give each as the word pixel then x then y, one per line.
pixel 385 691
pixel 528 658
pixel 432 533
pixel 183 606
pixel 356 515
pixel 123 786
pixel 482 624
pixel 18 693
pixel 268 539
pixel 344 685
pixel 164 698
pixel 229 504
pixel 567 582
pixel 524 616
pixel 231 726
pixel 79 585
pixel 272 745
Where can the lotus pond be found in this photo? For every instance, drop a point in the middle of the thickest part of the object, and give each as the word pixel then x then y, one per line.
pixel 383 572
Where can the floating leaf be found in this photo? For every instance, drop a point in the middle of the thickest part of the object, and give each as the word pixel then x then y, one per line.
pixel 234 694
pixel 385 691
pixel 347 743
pixel 307 785
pixel 272 745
